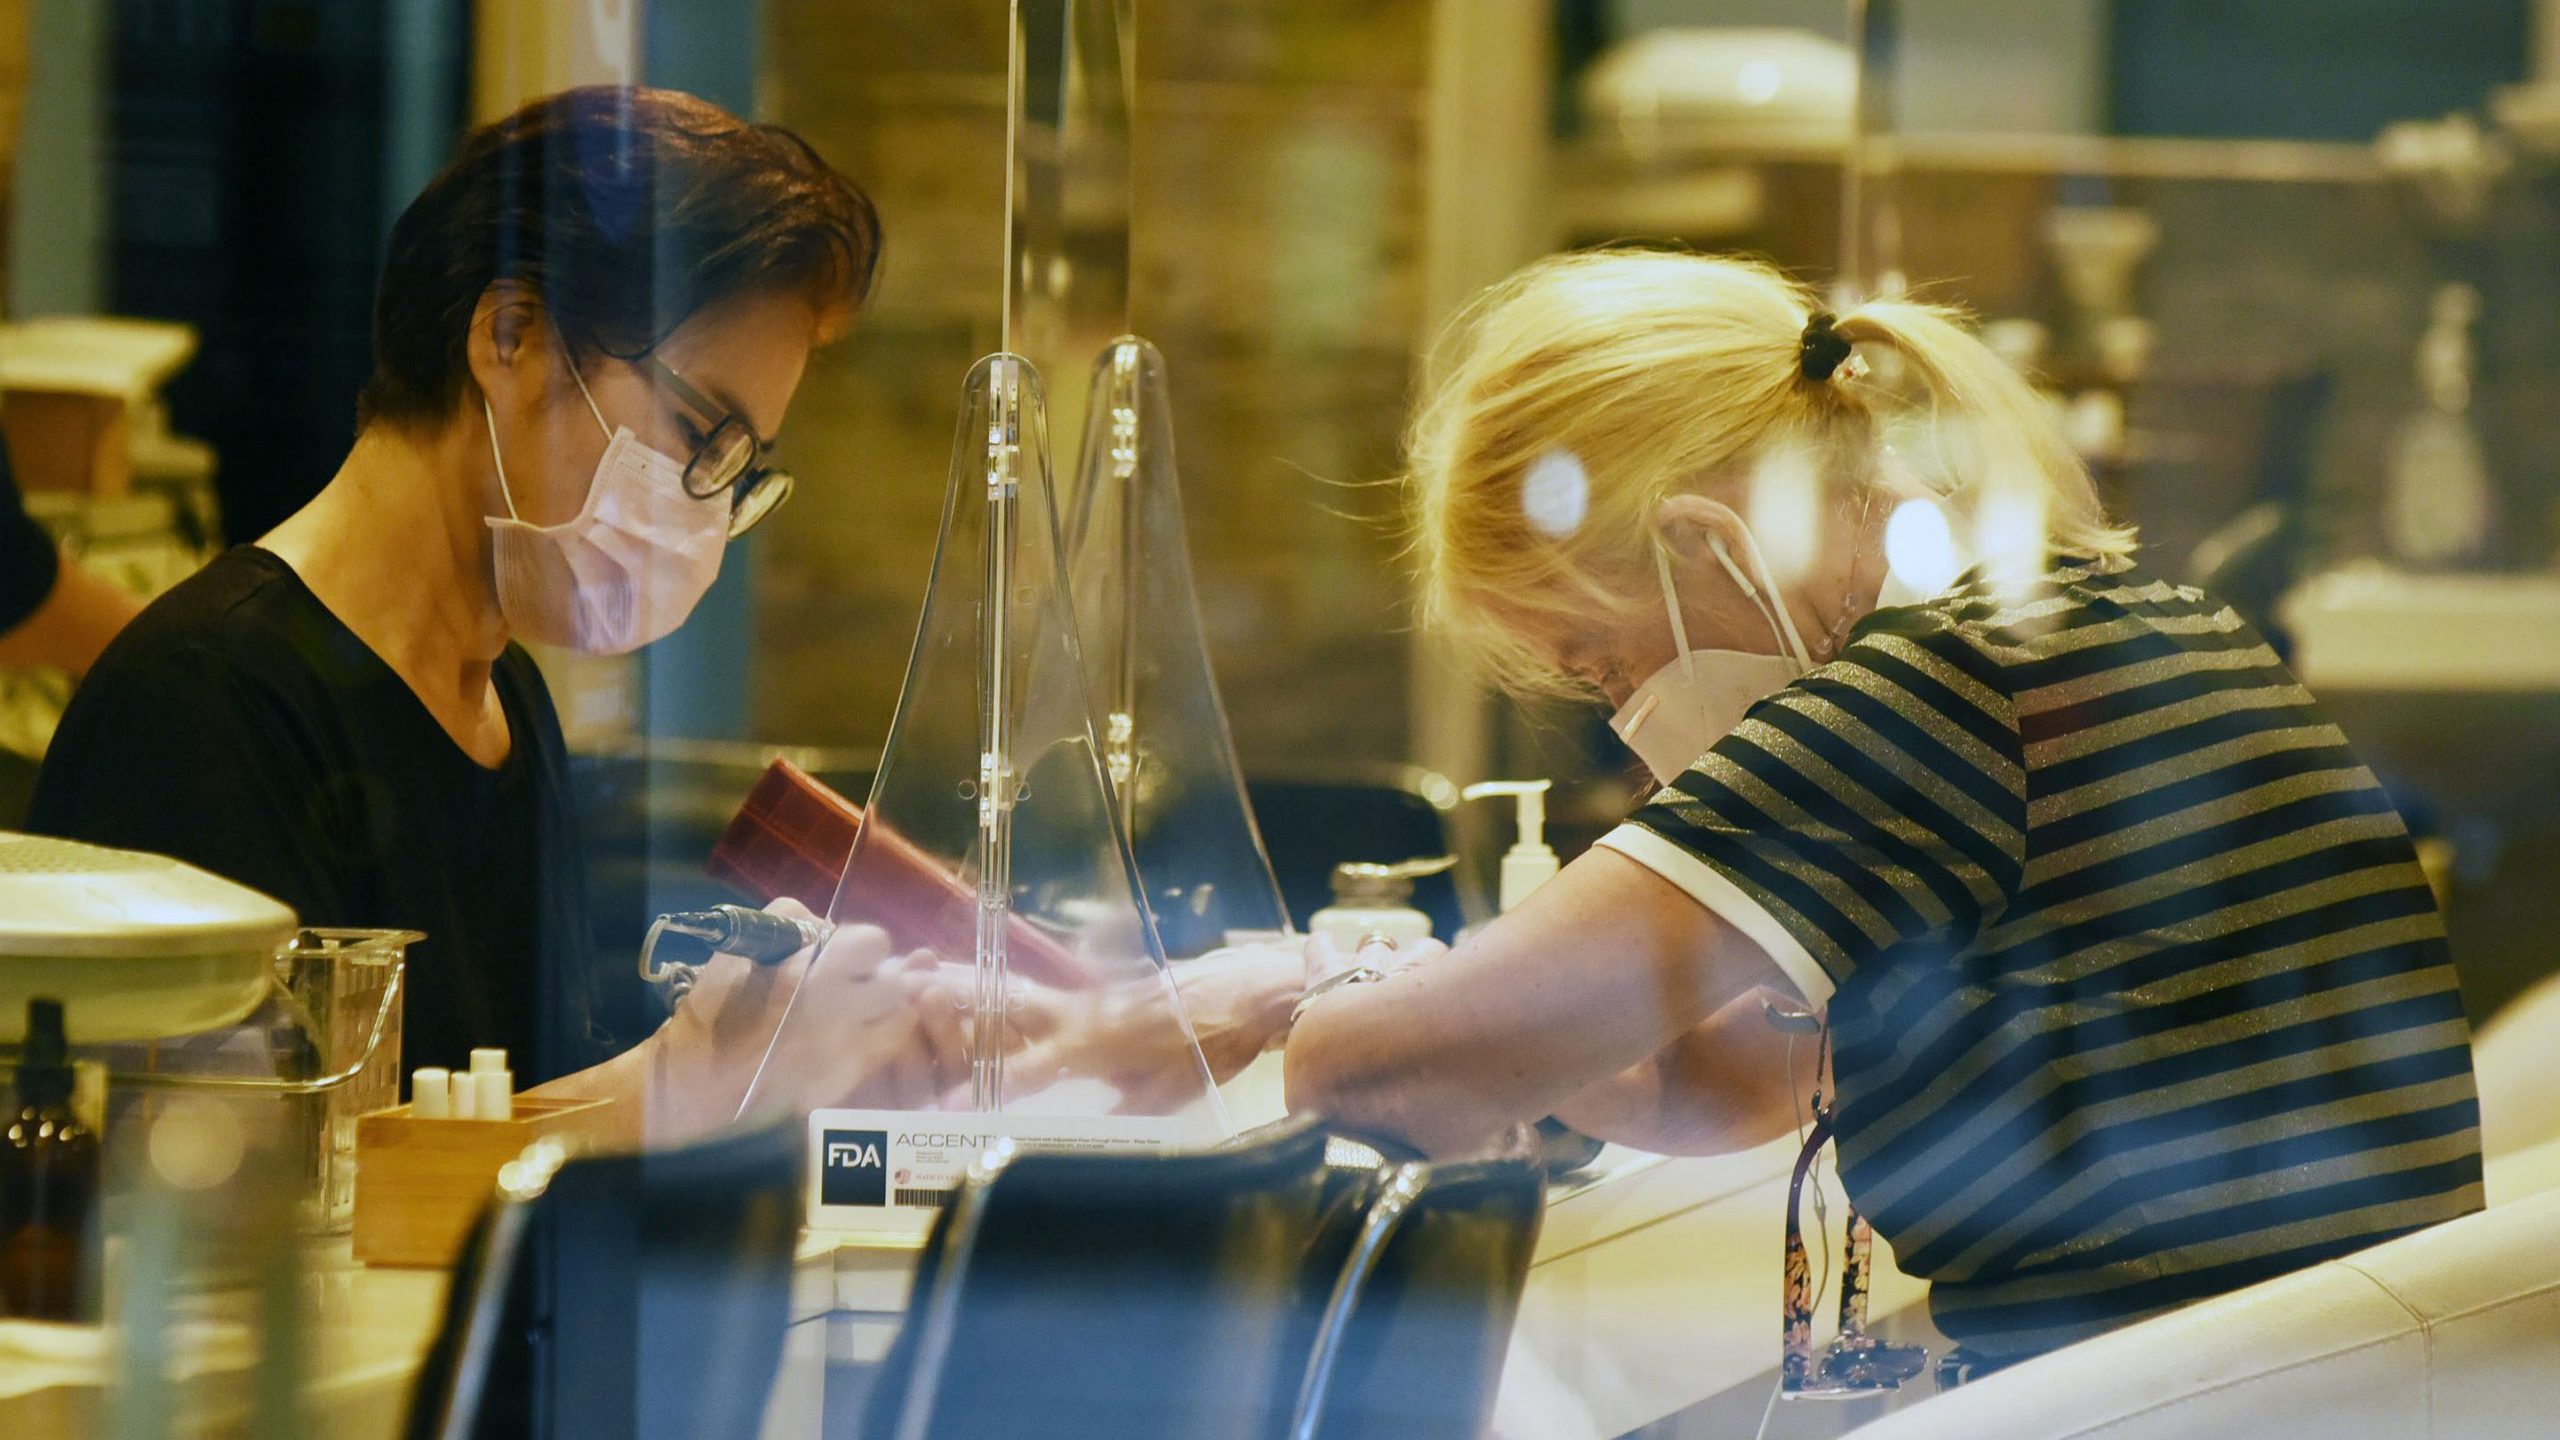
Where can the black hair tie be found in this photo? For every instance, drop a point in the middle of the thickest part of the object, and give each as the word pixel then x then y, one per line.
pixel 1822 351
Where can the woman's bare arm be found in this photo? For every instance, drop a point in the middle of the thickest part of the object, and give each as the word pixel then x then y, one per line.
pixel 1602 969
pixel 1725 1086
pixel 73 624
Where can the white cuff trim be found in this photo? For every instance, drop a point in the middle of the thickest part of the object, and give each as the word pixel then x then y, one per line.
pixel 1709 886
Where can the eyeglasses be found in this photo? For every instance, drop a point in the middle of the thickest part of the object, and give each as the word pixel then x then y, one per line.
pixel 727 459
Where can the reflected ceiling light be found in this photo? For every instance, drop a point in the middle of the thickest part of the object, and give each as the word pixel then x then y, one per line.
pixel 1784 507
pixel 2009 535
pixel 1555 494
pixel 1758 82
pixel 1921 547
pixel 195 1143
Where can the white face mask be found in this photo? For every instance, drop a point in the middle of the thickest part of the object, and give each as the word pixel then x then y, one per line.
pixel 1684 708
pixel 627 569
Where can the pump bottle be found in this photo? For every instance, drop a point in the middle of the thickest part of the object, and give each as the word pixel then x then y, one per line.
pixel 48 1182
pixel 1530 862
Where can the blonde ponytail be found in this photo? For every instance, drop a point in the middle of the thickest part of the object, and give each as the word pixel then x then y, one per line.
pixel 1571 399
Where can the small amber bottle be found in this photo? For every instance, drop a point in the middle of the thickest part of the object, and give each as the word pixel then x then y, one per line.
pixel 48 1183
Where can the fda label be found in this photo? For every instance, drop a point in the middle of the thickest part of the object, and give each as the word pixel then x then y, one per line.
pixel 886 1170
pixel 853 1167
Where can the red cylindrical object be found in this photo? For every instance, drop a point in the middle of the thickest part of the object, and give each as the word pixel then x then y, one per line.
pixel 793 837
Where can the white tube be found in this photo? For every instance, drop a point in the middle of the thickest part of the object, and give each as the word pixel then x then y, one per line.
pixel 485 1060
pixel 494 1094
pixel 466 1097
pixel 431 1093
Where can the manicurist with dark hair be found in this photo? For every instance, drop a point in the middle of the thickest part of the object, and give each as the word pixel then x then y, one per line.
pixel 588 330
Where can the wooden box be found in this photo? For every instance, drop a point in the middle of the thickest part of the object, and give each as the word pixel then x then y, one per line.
pixel 421 1184
pixel 59 441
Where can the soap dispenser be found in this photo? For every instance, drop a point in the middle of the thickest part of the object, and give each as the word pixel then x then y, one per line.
pixel 1530 862
pixel 1375 902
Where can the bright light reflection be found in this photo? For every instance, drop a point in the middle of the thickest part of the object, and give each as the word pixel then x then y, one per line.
pixel 1921 547
pixel 1555 494
pixel 195 1144
pixel 2009 535
pixel 1784 507
pixel 1759 82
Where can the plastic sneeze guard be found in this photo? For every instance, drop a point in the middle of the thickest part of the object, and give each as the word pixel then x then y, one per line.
pixel 1165 741
pixel 991 841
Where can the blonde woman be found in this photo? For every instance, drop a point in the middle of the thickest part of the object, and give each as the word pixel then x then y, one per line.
pixel 2130 987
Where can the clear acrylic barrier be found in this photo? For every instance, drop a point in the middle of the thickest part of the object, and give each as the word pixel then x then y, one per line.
pixel 991 837
pixel 1165 741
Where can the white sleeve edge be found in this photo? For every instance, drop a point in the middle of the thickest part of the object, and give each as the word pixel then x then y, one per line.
pixel 1708 886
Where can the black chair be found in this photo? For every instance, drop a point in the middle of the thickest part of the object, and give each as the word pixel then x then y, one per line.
pixel 1412 1344
pixel 634 1296
pixel 1383 813
pixel 2254 557
pixel 1078 1297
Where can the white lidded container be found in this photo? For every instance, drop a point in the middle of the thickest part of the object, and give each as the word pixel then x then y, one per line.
pixel 1374 902
pixel 1688 89
pixel 135 946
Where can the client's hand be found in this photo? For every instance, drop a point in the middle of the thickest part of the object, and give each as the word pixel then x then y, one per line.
pixel 1323 958
pixel 1131 1035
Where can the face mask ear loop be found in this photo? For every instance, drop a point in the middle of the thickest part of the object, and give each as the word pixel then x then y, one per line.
pixel 1772 608
pixel 498 460
pixel 591 400
pixel 1671 605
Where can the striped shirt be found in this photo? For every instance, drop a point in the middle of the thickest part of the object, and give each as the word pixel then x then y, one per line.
pixel 2136 992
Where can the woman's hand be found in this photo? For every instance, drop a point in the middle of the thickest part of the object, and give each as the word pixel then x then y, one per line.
pixel 1324 959
pixel 1239 1000
pixel 865 1029
pixel 1132 1035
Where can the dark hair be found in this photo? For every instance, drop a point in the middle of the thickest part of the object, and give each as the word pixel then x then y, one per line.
pixel 625 210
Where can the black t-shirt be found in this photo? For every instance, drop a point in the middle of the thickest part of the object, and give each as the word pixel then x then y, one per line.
pixel 28 561
pixel 240 726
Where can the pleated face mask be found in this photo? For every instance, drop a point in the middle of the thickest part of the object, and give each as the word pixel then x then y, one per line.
pixel 1684 708
pixel 627 568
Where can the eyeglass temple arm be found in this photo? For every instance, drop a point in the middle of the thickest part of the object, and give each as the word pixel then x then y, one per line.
pixel 701 403
pixel 709 409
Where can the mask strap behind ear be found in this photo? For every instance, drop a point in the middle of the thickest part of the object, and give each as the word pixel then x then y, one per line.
pixel 1671 604
pixel 1772 608
pixel 591 400
pixel 498 460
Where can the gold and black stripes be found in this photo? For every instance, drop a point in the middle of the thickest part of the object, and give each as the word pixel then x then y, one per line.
pixel 2140 993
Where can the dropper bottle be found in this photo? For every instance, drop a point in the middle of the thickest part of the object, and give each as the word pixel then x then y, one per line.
pixel 48 1182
